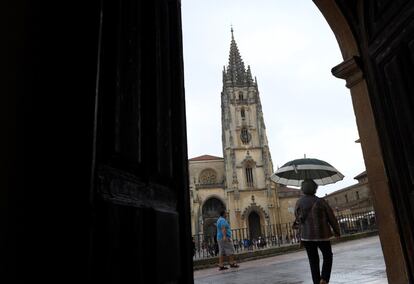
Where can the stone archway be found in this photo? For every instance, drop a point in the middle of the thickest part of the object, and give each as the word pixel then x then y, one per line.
pixel 254 225
pixel 210 212
pixel 352 38
pixel 253 207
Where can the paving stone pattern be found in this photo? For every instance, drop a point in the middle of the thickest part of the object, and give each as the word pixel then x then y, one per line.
pixel 359 261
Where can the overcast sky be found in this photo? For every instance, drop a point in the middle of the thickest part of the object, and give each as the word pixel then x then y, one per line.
pixel 306 110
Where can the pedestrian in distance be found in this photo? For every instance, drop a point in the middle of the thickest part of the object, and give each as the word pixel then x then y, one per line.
pixel 315 220
pixel 224 241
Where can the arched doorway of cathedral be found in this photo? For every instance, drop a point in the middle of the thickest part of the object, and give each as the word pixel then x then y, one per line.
pixel 254 225
pixel 210 212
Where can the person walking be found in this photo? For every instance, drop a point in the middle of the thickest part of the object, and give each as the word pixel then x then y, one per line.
pixel 224 241
pixel 314 219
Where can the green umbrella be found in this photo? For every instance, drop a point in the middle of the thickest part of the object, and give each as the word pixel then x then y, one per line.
pixel 294 172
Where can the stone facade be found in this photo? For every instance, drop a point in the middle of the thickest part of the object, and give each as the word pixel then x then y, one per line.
pixel 240 181
pixel 288 197
pixel 352 199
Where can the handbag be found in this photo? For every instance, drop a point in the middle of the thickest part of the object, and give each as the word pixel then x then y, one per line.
pixel 297 224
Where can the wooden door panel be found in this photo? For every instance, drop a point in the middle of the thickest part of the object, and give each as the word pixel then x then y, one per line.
pixel 392 69
pixel 384 31
pixel 379 13
pixel 142 232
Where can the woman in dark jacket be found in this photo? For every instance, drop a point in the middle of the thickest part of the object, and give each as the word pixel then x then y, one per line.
pixel 315 219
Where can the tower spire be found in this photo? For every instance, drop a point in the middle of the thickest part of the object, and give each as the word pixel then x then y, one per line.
pixel 236 73
pixel 249 75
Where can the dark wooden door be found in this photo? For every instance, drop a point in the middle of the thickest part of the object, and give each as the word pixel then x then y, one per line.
pixel 141 231
pixel 254 226
pixel 95 163
pixel 385 34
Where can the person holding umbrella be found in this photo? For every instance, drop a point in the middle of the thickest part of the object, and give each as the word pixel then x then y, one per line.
pixel 314 216
pixel 314 220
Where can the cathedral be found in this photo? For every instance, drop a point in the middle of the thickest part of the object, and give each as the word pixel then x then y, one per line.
pixel 239 182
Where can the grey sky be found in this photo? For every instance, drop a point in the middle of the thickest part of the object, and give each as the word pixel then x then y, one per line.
pixel 306 109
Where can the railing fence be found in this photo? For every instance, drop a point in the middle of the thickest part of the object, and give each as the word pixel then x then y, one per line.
pixel 277 235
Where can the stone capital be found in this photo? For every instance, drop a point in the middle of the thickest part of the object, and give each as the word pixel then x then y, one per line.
pixel 349 70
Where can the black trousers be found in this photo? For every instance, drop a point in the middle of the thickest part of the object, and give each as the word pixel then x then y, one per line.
pixel 312 250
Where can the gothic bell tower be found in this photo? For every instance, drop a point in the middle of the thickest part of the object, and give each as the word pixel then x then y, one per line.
pixel 247 159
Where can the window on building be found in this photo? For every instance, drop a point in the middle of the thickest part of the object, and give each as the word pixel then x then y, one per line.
pixel 249 176
pixel 336 200
pixel 357 195
pixel 241 96
pixel 346 198
pixel 245 136
pixel 242 113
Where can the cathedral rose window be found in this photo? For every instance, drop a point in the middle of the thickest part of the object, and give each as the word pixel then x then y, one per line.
pixel 208 176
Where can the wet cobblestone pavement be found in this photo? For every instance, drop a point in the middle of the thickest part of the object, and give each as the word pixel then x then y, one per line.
pixel 359 261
